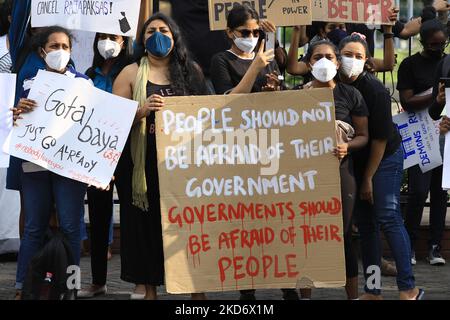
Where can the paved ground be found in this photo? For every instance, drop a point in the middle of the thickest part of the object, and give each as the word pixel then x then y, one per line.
pixel 435 281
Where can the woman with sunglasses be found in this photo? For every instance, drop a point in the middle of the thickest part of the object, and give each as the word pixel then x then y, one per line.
pixel 415 85
pixel 241 69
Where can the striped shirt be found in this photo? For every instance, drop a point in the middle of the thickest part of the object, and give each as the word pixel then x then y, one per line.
pixel 5 57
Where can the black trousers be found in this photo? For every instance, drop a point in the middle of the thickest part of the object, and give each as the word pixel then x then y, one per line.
pixel 419 184
pixel 100 205
pixel 349 193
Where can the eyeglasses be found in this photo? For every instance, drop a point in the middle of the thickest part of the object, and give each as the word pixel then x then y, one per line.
pixel 246 32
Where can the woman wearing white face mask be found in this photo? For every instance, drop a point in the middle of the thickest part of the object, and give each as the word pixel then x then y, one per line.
pixel 110 57
pixel 41 188
pixel 379 171
pixel 242 69
pixel 351 115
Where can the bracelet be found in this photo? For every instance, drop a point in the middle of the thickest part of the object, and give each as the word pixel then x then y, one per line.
pixel 388 35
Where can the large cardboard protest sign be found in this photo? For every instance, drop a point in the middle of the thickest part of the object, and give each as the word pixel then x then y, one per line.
pixel 280 12
pixel 250 192
pixel 114 16
pixel 301 12
pixel 371 12
pixel 7 90
pixel 76 131
pixel 420 140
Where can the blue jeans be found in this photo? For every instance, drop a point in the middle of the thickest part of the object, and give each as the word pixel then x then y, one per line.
pixel 39 191
pixel 385 213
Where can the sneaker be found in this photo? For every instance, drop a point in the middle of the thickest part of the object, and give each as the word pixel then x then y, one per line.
pixel 413 258
pixel 420 294
pixel 92 292
pixel 434 256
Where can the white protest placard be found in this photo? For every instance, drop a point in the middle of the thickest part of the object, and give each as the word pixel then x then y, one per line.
pixel 420 140
pixel 82 50
pixel 76 130
pixel 113 16
pixel 446 169
pixel 8 89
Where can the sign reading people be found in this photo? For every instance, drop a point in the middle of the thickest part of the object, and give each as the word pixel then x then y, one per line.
pixel 420 140
pixel 280 12
pixel 114 16
pixel 250 192
pixel 301 12
pixel 76 130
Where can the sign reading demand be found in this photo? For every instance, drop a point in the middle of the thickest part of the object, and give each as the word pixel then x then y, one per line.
pixel 250 192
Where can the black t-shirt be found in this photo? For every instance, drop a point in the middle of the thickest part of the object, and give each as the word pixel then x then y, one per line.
pixel 417 73
pixel 381 126
pixel 348 102
pixel 227 70
pixel 193 19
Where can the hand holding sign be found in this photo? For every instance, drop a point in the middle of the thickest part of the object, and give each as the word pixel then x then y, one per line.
pixel 441 6
pixel 267 26
pixel 444 125
pixel 341 151
pixel 154 103
pixel 25 105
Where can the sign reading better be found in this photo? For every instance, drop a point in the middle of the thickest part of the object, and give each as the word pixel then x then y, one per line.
pixel 300 12
pixel 114 16
pixel 76 130
pixel 250 192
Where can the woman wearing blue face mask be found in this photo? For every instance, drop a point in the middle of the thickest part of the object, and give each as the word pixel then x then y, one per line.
pixel 41 188
pixel 164 68
pixel 110 57
pixel 242 69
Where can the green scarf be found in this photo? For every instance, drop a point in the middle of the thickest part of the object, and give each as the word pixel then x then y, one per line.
pixel 139 140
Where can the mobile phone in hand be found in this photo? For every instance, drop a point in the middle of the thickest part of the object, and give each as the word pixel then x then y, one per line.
pixel 270 40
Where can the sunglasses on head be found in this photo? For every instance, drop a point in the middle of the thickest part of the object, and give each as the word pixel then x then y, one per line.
pixel 246 32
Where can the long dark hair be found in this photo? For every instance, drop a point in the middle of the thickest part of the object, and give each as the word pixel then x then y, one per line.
pixel 5 12
pixel 313 47
pixel 122 60
pixel 239 15
pixel 186 76
pixel 369 66
pixel 41 38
